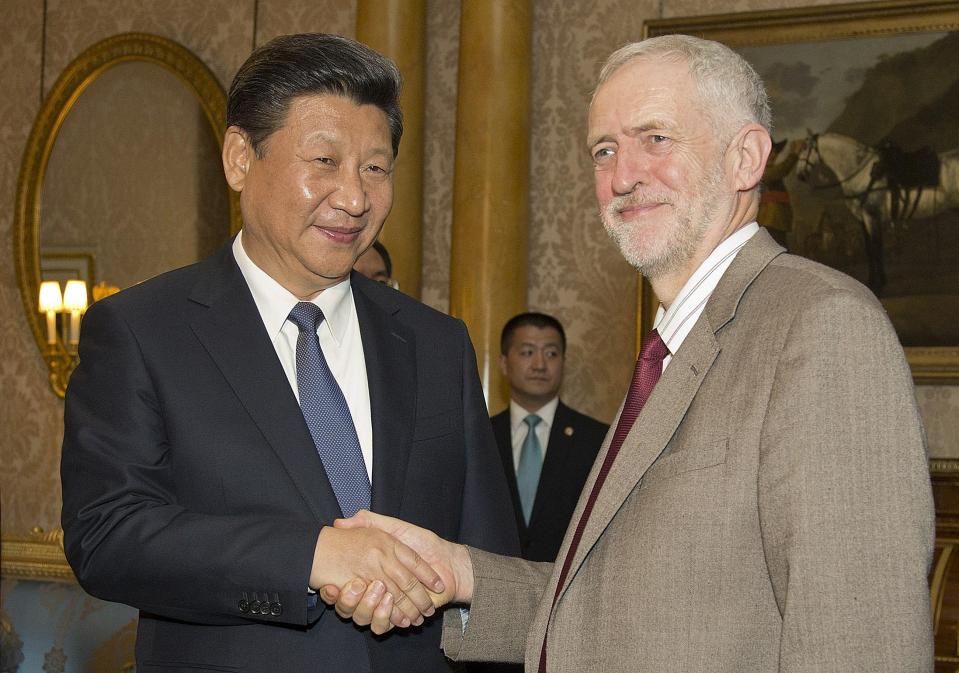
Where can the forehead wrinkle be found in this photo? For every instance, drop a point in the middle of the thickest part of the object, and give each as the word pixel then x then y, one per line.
pixel 332 136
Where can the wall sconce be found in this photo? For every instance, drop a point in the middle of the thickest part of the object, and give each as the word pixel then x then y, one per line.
pixel 61 350
pixel 51 303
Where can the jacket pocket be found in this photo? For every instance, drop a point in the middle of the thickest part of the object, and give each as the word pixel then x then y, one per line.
pixel 687 460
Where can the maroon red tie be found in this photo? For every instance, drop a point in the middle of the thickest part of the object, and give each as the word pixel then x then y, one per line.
pixel 649 367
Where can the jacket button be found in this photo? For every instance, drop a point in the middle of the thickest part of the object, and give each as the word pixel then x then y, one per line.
pixel 255 607
pixel 244 605
pixel 276 609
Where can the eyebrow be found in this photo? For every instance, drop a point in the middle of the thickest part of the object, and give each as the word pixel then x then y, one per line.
pixel 590 143
pixel 548 344
pixel 633 130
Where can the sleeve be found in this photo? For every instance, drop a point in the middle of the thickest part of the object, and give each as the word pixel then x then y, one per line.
pixel 845 504
pixel 127 537
pixel 506 595
pixel 487 521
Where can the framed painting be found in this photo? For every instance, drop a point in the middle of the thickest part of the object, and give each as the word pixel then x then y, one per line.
pixel 63 264
pixel 864 175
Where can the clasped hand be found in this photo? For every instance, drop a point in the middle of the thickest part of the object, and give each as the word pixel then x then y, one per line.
pixel 434 572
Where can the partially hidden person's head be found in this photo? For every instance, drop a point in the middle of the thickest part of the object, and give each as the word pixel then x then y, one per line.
pixel 532 357
pixel 376 265
pixel 679 137
pixel 313 129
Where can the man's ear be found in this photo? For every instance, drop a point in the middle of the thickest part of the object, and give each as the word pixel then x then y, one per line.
pixel 237 155
pixel 748 153
pixel 502 364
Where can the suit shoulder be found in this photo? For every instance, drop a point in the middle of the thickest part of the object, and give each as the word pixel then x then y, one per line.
pixel 148 294
pixel 793 291
pixel 410 311
pixel 801 277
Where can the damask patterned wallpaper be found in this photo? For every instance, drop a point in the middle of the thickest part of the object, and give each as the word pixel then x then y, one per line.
pixel 575 271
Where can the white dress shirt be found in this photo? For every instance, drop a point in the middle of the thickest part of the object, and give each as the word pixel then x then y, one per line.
pixel 519 429
pixel 339 335
pixel 675 323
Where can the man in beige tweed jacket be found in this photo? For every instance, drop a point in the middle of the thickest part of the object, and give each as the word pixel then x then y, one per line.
pixel 770 509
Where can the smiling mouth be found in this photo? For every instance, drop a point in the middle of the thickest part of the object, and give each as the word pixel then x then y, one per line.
pixel 340 235
pixel 638 209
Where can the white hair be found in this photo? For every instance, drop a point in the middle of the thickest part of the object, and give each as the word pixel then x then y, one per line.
pixel 729 88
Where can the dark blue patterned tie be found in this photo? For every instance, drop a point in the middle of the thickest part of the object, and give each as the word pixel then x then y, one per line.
pixel 327 415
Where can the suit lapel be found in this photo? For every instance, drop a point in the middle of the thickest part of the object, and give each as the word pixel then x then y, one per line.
pixel 389 350
pixel 233 334
pixel 670 399
pixel 651 432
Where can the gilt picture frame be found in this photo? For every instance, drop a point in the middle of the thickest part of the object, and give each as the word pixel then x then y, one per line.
pixel 867 133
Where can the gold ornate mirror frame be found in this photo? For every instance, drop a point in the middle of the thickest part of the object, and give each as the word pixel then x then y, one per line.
pixel 72 82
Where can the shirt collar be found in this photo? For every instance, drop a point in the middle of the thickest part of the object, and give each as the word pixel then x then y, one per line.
pixel 275 302
pixel 547 412
pixel 675 323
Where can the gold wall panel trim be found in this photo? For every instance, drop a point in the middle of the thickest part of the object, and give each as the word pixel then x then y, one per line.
pixel 944 466
pixel 397 29
pixel 38 556
pixel 56 106
pixel 489 239
pixel 934 365
pixel 937 584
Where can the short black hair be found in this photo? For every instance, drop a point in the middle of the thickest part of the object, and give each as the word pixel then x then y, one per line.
pixel 531 319
pixel 307 64
pixel 380 248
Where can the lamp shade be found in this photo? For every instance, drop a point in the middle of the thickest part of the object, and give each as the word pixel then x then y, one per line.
pixel 75 296
pixel 50 297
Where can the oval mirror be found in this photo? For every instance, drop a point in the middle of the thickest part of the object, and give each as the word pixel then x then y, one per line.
pixel 121 179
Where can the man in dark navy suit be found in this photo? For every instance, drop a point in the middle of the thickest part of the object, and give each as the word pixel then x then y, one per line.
pixel 546 447
pixel 224 414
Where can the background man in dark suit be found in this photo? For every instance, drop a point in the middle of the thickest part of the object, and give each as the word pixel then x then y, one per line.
pixel 546 447
pixel 224 414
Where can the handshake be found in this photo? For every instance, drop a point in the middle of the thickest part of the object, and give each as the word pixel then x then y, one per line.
pixel 383 572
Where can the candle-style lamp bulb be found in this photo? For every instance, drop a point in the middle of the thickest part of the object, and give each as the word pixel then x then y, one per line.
pixel 75 301
pixel 51 303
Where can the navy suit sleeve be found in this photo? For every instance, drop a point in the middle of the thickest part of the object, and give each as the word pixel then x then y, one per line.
pixel 126 533
pixel 487 516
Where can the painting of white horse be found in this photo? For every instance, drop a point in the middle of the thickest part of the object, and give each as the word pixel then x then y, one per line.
pixel 872 194
pixel 873 188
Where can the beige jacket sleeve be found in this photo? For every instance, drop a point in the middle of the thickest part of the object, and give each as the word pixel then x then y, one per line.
pixel 506 593
pixel 844 499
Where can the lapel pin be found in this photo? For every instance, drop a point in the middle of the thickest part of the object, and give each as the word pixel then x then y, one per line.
pixel 568 431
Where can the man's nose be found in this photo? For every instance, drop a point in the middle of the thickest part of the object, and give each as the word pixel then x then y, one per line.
pixel 631 169
pixel 350 195
pixel 539 361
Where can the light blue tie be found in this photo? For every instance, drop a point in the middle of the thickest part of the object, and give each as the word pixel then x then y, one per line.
pixel 530 465
pixel 328 416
